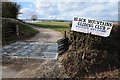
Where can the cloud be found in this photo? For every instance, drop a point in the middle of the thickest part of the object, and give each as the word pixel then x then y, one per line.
pixel 24 10
pixel 76 0
pixel 67 9
pixel 26 13
pixel 30 5
pixel 46 9
pixel 97 10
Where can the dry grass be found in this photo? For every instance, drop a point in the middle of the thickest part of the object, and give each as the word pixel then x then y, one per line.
pixel 101 57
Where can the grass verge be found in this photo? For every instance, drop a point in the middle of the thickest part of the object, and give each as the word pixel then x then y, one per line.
pixel 27 31
pixel 58 26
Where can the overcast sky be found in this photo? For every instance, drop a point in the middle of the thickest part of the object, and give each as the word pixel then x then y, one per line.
pixel 67 9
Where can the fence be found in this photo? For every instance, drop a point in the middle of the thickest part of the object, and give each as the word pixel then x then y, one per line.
pixel 63 45
pixel 9 28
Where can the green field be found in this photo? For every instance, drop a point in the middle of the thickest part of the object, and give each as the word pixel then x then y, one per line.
pixel 59 26
pixel 27 31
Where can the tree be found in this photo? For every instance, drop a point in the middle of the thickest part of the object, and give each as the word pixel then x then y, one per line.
pixel 10 9
pixel 33 17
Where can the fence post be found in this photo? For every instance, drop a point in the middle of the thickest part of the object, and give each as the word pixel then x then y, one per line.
pixel 65 34
pixel 17 30
pixel 75 40
pixel 86 44
pixel 17 27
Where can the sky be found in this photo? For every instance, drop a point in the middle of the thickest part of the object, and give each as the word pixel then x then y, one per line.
pixel 67 9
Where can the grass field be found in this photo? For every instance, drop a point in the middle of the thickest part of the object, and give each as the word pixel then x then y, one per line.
pixel 27 31
pixel 59 26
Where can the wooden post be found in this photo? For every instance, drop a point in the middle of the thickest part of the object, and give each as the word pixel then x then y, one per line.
pixel 17 27
pixel 86 44
pixel 65 34
pixel 70 34
pixel 75 40
pixel 17 30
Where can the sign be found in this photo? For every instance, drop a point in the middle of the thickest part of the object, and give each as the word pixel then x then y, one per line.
pixel 95 27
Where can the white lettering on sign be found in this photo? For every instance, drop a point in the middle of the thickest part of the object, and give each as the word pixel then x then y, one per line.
pixel 95 27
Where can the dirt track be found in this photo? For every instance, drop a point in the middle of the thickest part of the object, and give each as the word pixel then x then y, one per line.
pixel 32 68
pixel 46 35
